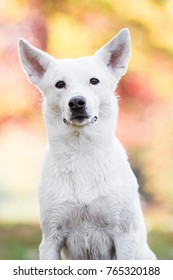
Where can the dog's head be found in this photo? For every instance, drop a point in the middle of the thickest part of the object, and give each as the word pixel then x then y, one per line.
pixel 78 91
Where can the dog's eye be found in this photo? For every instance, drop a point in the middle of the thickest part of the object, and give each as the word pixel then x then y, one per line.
pixel 60 84
pixel 94 81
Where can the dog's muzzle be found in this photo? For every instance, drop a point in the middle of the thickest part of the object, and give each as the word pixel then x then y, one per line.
pixel 78 109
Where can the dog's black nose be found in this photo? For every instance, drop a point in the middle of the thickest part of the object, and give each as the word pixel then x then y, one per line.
pixel 77 103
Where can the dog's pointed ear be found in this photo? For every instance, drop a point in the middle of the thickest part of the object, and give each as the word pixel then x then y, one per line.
pixel 34 61
pixel 116 53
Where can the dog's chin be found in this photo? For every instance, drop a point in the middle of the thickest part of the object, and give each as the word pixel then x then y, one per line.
pixel 80 120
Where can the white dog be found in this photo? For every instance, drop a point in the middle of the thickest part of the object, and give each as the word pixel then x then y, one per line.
pixel 89 200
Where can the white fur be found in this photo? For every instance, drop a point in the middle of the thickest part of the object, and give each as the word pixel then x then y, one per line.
pixel 89 201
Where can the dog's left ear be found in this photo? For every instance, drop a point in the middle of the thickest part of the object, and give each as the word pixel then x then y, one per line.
pixel 116 53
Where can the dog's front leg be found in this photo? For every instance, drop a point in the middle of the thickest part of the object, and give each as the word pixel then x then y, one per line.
pixel 52 240
pixel 125 244
pixel 50 249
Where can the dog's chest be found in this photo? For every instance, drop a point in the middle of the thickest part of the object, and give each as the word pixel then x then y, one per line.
pixel 87 229
pixel 82 177
pixel 78 195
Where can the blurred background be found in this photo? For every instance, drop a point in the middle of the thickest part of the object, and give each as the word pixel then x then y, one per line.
pixel 72 28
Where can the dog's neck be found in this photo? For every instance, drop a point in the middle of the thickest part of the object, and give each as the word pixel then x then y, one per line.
pixel 61 136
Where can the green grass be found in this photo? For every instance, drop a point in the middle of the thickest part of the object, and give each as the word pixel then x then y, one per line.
pixel 20 242
pixel 162 244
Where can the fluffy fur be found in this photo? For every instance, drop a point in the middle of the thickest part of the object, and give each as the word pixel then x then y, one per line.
pixel 89 201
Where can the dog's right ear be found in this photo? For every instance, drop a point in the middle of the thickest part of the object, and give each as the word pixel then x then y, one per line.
pixel 34 61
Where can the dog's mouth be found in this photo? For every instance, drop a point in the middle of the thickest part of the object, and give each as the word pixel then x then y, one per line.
pixel 80 119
